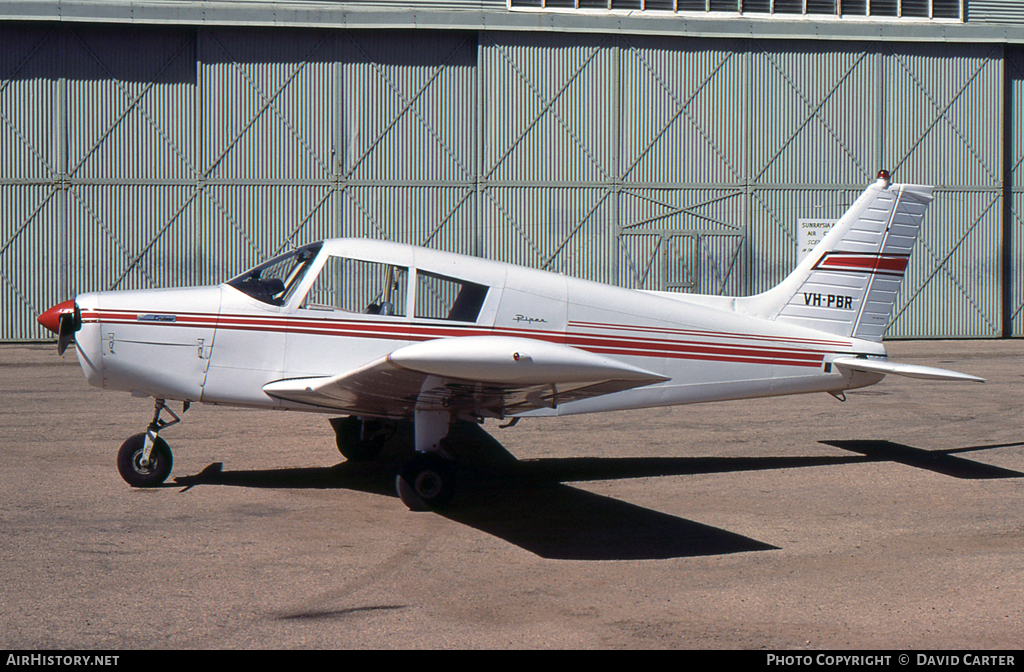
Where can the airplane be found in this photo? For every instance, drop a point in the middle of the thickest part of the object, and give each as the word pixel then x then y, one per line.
pixel 382 332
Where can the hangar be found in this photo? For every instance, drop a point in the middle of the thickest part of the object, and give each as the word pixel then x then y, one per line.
pixel 680 145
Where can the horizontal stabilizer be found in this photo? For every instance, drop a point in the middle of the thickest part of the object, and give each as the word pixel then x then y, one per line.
pixel 908 370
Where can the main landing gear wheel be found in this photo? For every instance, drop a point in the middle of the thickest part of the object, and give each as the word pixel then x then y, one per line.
pixel 426 482
pixel 359 440
pixel 139 474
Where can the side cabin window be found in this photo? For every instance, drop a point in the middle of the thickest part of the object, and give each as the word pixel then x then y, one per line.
pixel 357 286
pixel 442 298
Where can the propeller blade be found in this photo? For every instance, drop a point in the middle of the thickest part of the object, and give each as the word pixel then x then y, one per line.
pixel 69 324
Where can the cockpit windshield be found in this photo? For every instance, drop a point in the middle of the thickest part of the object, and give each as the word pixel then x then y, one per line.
pixel 274 281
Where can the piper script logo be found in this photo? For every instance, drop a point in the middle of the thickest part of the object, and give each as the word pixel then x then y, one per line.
pixel 524 318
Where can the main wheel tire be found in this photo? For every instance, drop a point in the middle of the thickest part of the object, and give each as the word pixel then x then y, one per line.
pixel 426 482
pixel 359 440
pixel 130 455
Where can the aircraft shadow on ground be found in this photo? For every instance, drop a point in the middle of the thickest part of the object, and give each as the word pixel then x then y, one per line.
pixel 939 461
pixel 527 502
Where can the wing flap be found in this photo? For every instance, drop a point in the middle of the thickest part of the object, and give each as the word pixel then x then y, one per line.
pixel 488 376
pixel 908 370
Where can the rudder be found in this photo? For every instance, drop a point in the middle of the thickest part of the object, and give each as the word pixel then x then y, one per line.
pixel 848 284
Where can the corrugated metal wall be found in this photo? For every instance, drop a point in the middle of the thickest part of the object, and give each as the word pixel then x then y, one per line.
pixel 681 164
pixel 1014 169
pixel 943 126
pixel 141 157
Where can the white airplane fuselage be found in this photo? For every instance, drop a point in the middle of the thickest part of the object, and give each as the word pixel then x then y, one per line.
pixel 218 345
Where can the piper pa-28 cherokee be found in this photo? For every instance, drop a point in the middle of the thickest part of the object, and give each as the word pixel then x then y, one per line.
pixel 382 332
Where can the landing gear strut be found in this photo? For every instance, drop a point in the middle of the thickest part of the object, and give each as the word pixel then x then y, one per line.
pixel 145 460
pixel 427 481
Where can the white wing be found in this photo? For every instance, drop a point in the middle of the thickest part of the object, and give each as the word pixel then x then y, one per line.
pixel 486 376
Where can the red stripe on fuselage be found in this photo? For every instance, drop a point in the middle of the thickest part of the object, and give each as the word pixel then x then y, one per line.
pixel 640 344
pixel 726 335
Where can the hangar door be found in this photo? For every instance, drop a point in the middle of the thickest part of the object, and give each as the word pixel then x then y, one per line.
pixel 1014 171
pixel 146 157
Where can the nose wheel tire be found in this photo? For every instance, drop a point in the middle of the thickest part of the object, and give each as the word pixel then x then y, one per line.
pixel 137 474
pixel 426 482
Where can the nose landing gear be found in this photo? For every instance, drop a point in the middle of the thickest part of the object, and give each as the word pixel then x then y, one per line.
pixel 145 460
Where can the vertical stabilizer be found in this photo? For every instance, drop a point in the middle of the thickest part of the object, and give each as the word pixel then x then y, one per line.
pixel 848 284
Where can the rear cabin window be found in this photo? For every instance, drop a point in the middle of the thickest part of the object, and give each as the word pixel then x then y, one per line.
pixel 357 286
pixel 442 298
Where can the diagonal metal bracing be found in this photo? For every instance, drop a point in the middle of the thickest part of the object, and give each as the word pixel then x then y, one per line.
pixel 722 275
pixel 408 104
pixel 383 232
pixel 28 220
pixel 226 212
pixel 942 110
pixel 641 274
pixel 575 228
pixel 133 103
pixel 268 102
pixel 27 302
pixel 682 109
pixel 440 225
pixel 554 97
pixel 547 105
pixel 813 113
pixel 544 262
pixel 145 250
pixel 1017 166
pixel 113 238
pixel 755 195
pixel 290 237
pixel 11 240
pixel 941 264
pixel 1018 221
pixel 135 259
pixel 690 210
pixel 366 213
pixel 28 57
pixel 515 225
pixel 6 82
